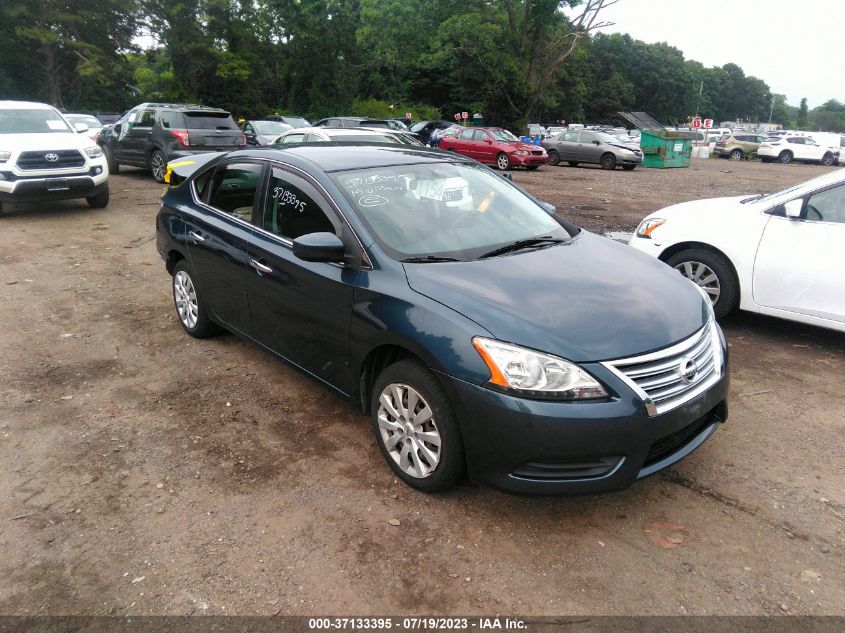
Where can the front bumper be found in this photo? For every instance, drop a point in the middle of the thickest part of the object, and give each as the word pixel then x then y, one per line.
pixel 531 160
pixel 29 188
pixel 545 447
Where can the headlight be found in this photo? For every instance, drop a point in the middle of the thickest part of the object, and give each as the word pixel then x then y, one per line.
pixel 521 152
pixel 4 156
pixel 94 152
pixel 533 373
pixel 648 225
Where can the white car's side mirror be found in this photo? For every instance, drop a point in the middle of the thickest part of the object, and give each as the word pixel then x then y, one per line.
pixel 793 208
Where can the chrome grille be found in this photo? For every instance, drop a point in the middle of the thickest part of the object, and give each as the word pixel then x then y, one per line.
pixel 670 377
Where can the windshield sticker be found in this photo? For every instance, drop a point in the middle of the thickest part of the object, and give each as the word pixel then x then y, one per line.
pixel 56 125
pixel 486 202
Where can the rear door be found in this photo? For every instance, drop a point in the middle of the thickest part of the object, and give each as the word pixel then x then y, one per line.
pixel 800 263
pixel 464 143
pixel 301 310
pixel 567 145
pixel 211 131
pixel 218 238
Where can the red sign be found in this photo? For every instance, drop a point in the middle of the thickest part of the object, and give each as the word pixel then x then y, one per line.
pixel 408 115
pixel 708 123
pixel 457 116
pixel 696 123
pixel 465 115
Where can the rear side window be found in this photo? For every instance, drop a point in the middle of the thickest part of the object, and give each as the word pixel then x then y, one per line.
pixel 795 139
pixel 570 137
pixel 233 189
pixel 467 135
pixel 209 121
pixel 292 138
pixel 290 210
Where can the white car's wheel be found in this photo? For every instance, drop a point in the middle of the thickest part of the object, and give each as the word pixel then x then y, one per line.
pixel 713 273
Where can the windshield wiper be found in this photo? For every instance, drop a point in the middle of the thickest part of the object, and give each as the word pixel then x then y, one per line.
pixel 520 244
pixel 756 196
pixel 426 259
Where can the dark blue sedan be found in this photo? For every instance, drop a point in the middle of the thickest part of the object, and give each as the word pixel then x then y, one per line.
pixel 482 334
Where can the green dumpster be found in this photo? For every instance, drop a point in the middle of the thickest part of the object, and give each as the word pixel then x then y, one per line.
pixel 665 148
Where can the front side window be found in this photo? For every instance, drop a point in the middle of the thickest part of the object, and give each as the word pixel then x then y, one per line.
pixel 588 137
pixel 455 210
pixel 290 210
pixel 827 206
pixel 31 121
pixel 481 135
pixel 147 118
pixel 233 188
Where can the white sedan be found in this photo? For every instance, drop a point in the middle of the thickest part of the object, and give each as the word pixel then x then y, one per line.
pixel 781 254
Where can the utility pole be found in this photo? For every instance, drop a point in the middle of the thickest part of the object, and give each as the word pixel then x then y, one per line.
pixel 772 108
pixel 698 103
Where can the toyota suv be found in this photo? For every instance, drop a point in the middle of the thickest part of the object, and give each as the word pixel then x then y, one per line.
pixel 43 157
pixel 152 134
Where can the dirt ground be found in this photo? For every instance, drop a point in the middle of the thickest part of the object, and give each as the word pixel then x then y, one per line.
pixel 145 472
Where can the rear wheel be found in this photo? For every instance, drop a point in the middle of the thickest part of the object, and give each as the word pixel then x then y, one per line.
pixel 158 165
pixel 736 154
pixel 554 157
pixel 785 157
pixel 827 159
pixel 415 427
pixel 100 201
pixel 608 161
pixel 502 161
pixel 712 273
pixel 190 308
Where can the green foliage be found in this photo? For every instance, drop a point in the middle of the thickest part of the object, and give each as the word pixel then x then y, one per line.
pixel 378 109
pixel 802 115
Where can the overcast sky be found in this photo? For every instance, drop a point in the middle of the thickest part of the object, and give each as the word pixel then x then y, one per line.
pixel 795 46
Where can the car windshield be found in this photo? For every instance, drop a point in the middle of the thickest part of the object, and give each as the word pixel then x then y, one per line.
pixel 296 121
pixel 444 210
pixel 270 128
pixel 504 135
pixel 92 122
pixel 416 127
pixel 209 121
pixel 32 121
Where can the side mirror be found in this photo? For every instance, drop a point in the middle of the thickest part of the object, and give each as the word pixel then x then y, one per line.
pixel 489 141
pixel 793 208
pixel 319 247
pixel 80 128
pixel 596 142
pixel 548 208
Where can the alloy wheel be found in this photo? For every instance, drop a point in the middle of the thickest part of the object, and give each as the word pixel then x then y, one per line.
pixel 408 430
pixel 703 276
pixel 157 166
pixel 502 162
pixel 185 296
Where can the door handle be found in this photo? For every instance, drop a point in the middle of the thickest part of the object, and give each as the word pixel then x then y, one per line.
pixel 260 268
pixel 196 236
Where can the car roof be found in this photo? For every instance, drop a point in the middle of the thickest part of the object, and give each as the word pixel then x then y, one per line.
pixel 32 105
pixel 330 157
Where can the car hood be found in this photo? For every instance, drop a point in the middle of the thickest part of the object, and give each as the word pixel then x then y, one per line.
pixel 631 146
pixel 520 145
pixel 36 142
pixel 586 300
pixel 709 206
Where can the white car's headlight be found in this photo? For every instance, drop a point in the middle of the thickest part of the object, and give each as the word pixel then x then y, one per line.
pixel 648 225
pixel 4 156
pixel 94 152
pixel 534 373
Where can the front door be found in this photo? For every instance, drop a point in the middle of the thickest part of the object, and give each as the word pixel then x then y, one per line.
pixel 301 310
pixel 138 137
pixel 589 149
pixel 800 263
pixel 485 150
pixel 218 237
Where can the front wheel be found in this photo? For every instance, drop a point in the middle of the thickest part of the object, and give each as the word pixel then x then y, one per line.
pixel 190 308
pixel 502 161
pixel 100 201
pixel 712 273
pixel 608 161
pixel 114 166
pixel 554 157
pixel 158 165
pixel 736 154
pixel 415 427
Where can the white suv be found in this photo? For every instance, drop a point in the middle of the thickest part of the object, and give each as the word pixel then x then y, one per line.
pixel 43 157
pixel 801 148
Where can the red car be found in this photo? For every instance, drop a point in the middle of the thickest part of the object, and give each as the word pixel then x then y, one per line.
pixel 495 146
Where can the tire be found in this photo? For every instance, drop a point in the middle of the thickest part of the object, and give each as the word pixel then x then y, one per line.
pixel 100 201
pixel 828 160
pixel 629 167
pixel 608 161
pixel 785 157
pixel 114 166
pixel 554 157
pixel 503 163
pixel 532 167
pixel 726 285
pixel 196 321
pixel 396 383
pixel 573 163
pixel 158 165
pixel 736 154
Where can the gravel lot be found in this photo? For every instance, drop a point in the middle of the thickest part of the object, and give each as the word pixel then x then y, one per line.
pixel 145 472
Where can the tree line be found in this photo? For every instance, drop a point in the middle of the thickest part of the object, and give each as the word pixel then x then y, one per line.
pixel 514 61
